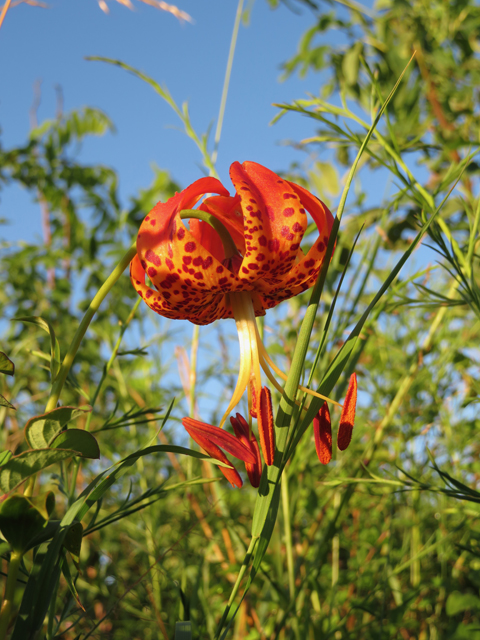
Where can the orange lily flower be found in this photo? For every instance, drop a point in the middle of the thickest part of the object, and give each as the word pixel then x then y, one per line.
pixel 248 263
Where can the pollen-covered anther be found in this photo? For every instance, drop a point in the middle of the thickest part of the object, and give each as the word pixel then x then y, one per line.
pixel 347 418
pixel 322 430
pixel 265 426
pixel 241 429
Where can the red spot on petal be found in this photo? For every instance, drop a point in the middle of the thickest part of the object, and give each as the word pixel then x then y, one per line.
pixel 152 257
pixel 190 246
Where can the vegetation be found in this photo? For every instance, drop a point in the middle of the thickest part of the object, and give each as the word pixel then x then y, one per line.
pixel 113 524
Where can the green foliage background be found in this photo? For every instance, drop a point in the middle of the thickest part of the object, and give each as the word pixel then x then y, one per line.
pixel 385 541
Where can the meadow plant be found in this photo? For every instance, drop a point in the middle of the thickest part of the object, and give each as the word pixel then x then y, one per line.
pixel 371 543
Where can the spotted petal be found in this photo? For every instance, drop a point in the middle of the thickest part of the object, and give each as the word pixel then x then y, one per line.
pixel 274 222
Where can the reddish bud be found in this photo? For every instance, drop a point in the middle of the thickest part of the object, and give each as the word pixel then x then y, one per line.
pixel 265 426
pixel 322 429
pixel 208 437
pixel 218 437
pixel 347 418
pixel 241 428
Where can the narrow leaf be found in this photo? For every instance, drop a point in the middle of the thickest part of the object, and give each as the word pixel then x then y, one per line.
pixel 5 403
pixel 6 365
pixel 54 346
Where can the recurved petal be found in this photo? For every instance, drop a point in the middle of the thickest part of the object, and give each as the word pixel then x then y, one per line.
pixel 220 437
pixel 231 474
pixel 274 222
pixel 229 212
pixel 304 273
pixel 169 300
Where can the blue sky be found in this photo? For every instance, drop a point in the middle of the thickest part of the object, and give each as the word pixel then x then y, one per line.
pixel 51 44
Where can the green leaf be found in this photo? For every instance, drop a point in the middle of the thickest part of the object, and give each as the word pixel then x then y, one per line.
pixel 71 584
pixel 5 403
pixel 54 346
pixel 77 440
pixel 4 456
pixel 20 521
pixel 73 539
pixel 6 365
pixel 40 431
pixel 36 597
pixel 20 467
pixel 458 602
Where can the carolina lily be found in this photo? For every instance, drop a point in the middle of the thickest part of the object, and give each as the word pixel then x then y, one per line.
pixel 240 256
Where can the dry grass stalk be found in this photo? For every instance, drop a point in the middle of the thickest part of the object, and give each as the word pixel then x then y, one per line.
pixel 158 4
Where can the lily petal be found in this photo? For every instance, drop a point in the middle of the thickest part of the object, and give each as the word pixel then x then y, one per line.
pixel 274 222
pixel 219 437
pixel 230 473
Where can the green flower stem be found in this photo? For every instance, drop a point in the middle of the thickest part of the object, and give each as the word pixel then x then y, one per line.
pixel 77 339
pixel 108 366
pixel 105 371
pixel 7 604
pixel 227 241
pixel 226 82
pixel 288 535
pixel 84 324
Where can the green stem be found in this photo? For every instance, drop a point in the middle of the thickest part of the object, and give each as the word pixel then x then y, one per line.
pixel 226 82
pixel 77 339
pixel 227 240
pixel 108 366
pixel 106 369
pixel 288 535
pixel 87 318
pixel 8 600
